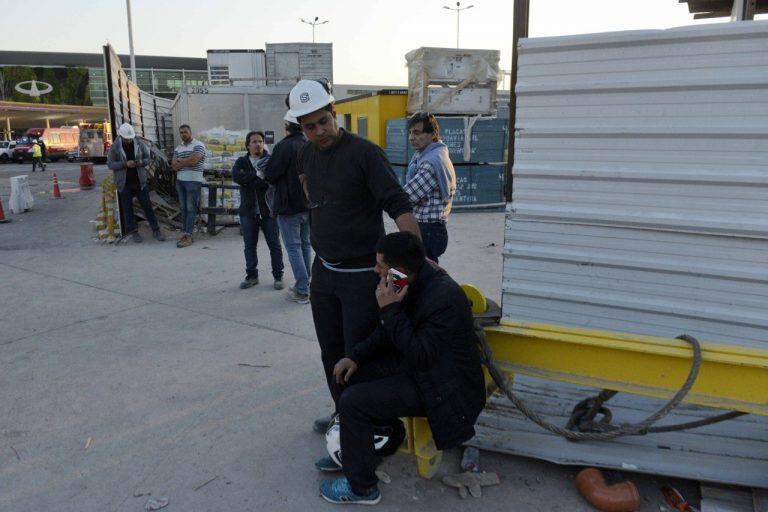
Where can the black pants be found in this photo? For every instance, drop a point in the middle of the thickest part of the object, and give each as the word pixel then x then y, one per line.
pixel 250 224
pixel 38 161
pixel 345 312
pixel 379 394
pixel 434 235
pixel 126 203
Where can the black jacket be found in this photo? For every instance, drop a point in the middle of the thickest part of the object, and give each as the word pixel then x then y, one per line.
pixel 282 172
pixel 349 185
pixel 433 330
pixel 252 188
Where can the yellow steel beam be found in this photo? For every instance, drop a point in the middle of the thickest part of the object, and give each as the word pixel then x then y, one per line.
pixel 730 377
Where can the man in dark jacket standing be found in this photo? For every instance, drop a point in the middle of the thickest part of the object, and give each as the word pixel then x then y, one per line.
pixel 349 184
pixel 422 360
pixel 290 206
pixel 248 172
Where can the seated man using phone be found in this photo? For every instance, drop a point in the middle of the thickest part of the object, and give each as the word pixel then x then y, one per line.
pixel 422 360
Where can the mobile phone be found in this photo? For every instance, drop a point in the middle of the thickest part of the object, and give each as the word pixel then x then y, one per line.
pixel 399 280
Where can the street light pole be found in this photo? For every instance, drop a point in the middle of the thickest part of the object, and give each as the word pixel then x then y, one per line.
pixel 130 42
pixel 458 10
pixel 314 23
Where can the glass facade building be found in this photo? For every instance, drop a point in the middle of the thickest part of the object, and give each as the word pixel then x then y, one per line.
pixel 160 82
pixel 161 76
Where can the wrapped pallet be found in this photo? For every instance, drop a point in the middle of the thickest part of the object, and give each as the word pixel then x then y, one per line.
pixel 452 81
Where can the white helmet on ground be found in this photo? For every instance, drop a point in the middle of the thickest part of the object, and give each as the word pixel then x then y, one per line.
pixel 126 131
pixel 382 437
pixel 306 97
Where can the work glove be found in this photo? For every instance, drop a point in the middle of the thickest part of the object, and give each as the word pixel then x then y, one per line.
pixel 471 483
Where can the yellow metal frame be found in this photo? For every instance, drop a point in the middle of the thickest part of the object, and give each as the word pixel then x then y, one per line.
pixel 731 377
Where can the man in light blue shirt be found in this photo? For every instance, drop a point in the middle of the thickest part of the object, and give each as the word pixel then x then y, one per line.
pixel 188 160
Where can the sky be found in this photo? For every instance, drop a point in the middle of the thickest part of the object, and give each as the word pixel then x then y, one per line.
pixel 370 38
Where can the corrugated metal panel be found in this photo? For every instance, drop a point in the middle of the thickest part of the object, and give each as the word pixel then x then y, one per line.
pixel 132 105
pixel 641 183
pixel 733 452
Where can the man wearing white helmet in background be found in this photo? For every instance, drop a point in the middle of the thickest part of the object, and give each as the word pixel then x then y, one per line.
pixel 128 158
pixel 289 205
pixel 349 184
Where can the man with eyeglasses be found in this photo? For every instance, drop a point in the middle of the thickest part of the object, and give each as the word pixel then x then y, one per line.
pixel 430 182
pixel 349 184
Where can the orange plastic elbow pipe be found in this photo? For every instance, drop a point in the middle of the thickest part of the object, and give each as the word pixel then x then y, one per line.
pixel 621 497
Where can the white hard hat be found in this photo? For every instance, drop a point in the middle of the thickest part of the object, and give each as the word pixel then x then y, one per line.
pixel 126 131
pixel 289 118
pixel 306 97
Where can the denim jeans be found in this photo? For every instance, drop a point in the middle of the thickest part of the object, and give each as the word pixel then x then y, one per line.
pixel 435 238
pixel 189 197
pixel 345 312
pixel 295 232
pixel 251 223
pixel 126 203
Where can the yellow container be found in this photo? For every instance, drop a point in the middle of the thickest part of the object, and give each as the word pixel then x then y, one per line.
pixel 367 115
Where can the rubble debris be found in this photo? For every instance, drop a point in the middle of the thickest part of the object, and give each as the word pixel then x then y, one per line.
pixel 156 504
pixel 469 483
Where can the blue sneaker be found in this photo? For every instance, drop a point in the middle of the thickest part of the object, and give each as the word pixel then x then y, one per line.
pixel 327 464
pixel 339 491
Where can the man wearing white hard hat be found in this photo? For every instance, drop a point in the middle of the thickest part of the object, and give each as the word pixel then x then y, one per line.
pixel 290 206
pixel 128 158
pixel 349 184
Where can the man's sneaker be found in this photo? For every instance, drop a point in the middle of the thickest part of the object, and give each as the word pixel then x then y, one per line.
pixel 279 285
pixel 339 491
pixel 300 298
pixel 184 241
pixel 136 237
pixel 249 281
pixel 327 464
pixel 158 235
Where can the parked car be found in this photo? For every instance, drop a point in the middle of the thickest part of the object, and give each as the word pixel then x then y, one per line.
pixel 6 150
pixel 72 155
pixel 57 142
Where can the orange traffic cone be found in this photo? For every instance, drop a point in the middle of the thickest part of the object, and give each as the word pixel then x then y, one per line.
pixel 56 191
pixel 3 220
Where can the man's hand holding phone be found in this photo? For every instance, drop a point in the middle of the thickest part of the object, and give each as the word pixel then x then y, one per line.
pixel 392 288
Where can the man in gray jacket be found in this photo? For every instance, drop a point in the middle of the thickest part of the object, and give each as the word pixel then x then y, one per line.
pixel 128 158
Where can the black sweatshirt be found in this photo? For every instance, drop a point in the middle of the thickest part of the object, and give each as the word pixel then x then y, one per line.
pixel 282 172
pixel 349 186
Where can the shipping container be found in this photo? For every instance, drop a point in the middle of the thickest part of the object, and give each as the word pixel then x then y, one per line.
pixel 367 114
pixel 237 67
pixel 287 63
